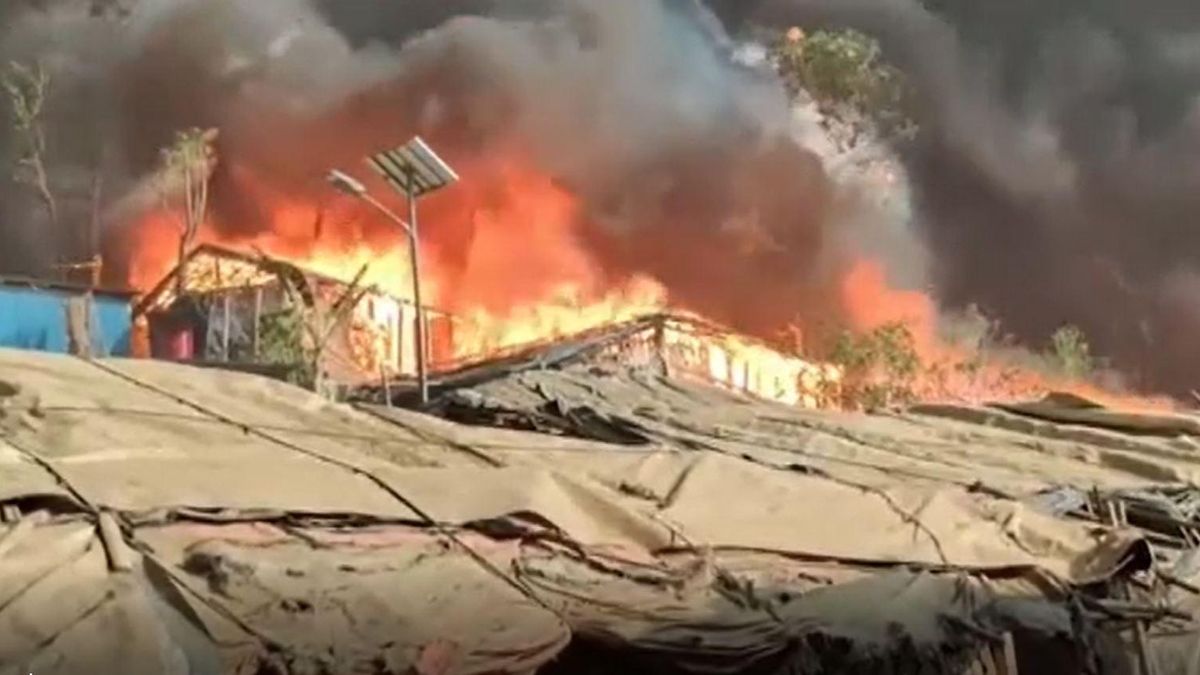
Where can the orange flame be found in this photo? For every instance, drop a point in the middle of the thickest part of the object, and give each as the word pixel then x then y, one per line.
pixel 501 253
pixel 870 303
pixel 518 276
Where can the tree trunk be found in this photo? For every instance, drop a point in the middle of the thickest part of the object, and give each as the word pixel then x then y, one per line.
pixel 92 246
pixel 79 326
pixel 181 268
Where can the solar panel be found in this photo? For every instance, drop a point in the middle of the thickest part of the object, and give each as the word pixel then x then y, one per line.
pixel 413 161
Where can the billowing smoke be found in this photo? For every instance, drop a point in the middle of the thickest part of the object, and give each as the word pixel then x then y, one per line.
pixel 682 162
pixel 1054 177
pixel 1057 171
pixel 79 49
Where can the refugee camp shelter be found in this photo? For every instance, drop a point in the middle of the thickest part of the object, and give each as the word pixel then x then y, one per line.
pixel 233 304
pixel 680 343
pixel 36 314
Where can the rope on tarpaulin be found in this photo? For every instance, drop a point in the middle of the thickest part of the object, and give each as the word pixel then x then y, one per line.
pixel 425 517
pixel 115 534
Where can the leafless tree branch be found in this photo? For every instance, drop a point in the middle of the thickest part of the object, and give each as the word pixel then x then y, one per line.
pixel 27 88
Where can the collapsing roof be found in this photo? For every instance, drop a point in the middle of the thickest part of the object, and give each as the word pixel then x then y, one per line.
pixel 682 344
pixel 209 267
pixel 161 516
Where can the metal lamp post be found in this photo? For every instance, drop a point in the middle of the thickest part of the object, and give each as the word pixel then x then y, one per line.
pixel 415 170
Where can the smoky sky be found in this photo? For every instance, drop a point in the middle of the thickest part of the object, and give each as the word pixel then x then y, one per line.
pixel 682 161
pixel 1055 176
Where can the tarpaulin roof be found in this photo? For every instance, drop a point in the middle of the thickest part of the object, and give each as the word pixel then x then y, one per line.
pixel 252 524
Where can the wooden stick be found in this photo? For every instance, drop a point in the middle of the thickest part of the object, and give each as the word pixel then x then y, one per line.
pixel 119 555
pixel 10 513
pixel 227 307
pixel 18 532
pixel 1124 609
pixel 1118 517
pixel 1006 661
pixel 387 385
pixel 258 307
pixel 1176 581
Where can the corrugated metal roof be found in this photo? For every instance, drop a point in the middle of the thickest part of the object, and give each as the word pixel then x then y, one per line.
pixel 63 286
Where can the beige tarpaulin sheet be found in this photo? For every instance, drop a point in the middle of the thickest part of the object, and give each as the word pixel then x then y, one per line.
pixel 251 598
pixel 200 463
pixel 139 436
pixel 1003 451
pixel 714 500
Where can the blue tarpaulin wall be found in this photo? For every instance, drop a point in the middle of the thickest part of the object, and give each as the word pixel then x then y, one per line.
pixel 36 318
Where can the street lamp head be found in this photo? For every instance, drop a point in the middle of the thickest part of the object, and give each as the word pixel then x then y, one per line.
pixel 346 183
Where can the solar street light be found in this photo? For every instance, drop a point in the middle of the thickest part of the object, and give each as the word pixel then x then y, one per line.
pixel 415 170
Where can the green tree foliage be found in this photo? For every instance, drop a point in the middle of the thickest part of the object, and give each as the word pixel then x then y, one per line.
pixel 299 336
pixel 281 336
pixel 847 77
pixel 1071 353
pixel 880 367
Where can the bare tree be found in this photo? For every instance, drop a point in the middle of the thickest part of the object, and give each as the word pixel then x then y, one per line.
pixel 187 167
pixel 27 88
pixel 314 321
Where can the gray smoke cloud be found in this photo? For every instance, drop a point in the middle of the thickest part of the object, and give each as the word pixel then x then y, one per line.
pixel 1053 181
pixel 127 74
pixel 684 162
pixel 1056 175
pixel 79 51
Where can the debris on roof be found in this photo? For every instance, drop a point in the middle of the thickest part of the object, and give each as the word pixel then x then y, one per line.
pixel 684 345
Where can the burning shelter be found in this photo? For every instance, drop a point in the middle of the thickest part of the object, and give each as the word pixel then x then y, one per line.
pixel 223 305
pixel 679 343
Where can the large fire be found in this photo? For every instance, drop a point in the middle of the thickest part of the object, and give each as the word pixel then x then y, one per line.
pixel 520 276
pixel 501 254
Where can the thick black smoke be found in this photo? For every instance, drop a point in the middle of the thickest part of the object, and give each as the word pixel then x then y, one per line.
pixel 1057 175
pixel 683 160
